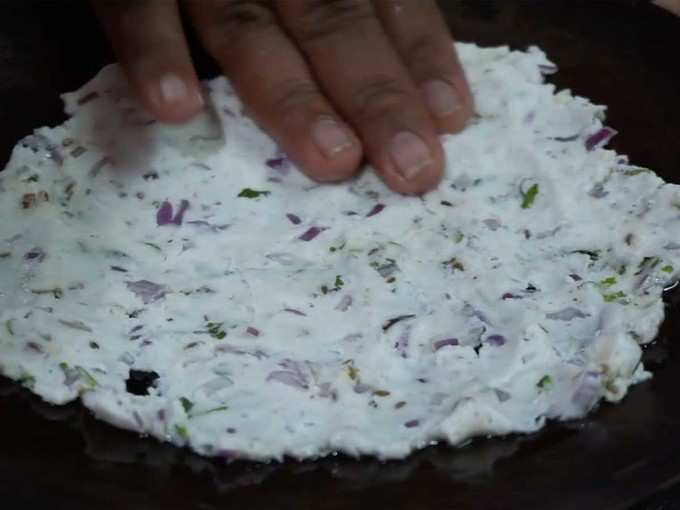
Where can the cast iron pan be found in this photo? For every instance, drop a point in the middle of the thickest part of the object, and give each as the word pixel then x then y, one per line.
pixel 622 53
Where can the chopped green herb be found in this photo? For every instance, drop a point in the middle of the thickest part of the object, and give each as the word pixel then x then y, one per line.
pixel 333 249
pixel 86 377
pixel 614 296
pixel 325 289
pixel 622 270
pixel 593 254
pixel 636 171
pixel 27 380
pixel 209 411
pixel 8 327
pixel 154 246
pixel 529 196
pixel 215 330
pixel 459 237
pixel 186 404
pixel 79 373
pixel 667 269
pixel 648 263
pixel 251 193
pixel 545 383
pixel 605 283
pixel 182 431
pixel 33 178
pixel 381 393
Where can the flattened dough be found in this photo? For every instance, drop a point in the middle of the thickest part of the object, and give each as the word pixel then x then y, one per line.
pixel 189 283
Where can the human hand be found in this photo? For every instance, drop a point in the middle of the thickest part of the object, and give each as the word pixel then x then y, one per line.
pixel 331 81
pixel 671 5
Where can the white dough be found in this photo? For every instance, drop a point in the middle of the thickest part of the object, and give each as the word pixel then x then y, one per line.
pixel 295 322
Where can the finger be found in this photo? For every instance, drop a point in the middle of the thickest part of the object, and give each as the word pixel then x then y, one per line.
pixel 671 5
pixel 362 74
pixel 421 37
pixel 273 80
pixel 148 39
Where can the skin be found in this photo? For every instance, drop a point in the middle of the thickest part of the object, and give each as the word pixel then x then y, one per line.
pixel 671 5
pixel 334 82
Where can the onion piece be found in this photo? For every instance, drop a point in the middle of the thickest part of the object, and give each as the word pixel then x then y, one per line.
pixel 377 209
pixel 600 138
pixel 311 233
pixel 446 342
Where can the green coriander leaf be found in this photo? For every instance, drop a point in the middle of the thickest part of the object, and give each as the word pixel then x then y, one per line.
pixel 459 237
pixel 529 196
pixel 186 404
pixel 251 193
pixel 614 296
pixel 8 327
pixel 667 269
pixel 338 282
pixel 209 411
pixel 605 283
pixel 636 171
pixel 545 383
pixel 182 431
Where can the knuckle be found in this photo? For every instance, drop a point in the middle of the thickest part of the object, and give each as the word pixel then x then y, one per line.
pixel 294 96
pixel 233 20
pixel 379 97
pixel 321 19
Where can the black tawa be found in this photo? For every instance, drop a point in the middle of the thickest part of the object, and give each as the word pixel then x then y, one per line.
pixel 621 53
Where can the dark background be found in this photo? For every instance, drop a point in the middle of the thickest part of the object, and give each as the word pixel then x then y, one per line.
pixel 621 53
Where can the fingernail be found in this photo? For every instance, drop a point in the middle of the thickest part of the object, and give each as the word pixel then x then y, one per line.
pixel 441 98
pixel 173 89
pixel 331 137
pixel 410 154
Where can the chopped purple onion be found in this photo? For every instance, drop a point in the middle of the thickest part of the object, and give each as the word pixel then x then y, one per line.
pixel 412 423
pixel 344 303
pixel 567 314
pixel 510 295
pixel 598 191
pixel 311 233
pixel 492 224
pixel 588 391
pixel 446 342
pixel 401 345
pixel 360 388
pixel 164 214
pixel 147 291
pixel 548 68
pixel 295 312
pixel 377 209
pixel 239 351
pixel 600 138
pixel 295 379
pixel 496 340
pixel 35 255
pixel 280 163
pixel 253 331
pixel 294 218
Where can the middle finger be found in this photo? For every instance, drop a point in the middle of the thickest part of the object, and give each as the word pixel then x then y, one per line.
pixel 363 75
